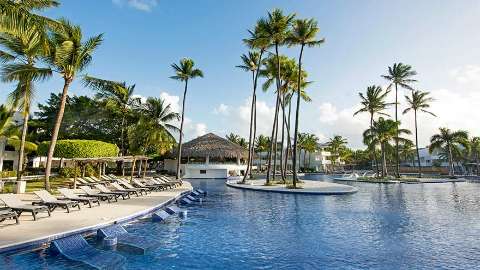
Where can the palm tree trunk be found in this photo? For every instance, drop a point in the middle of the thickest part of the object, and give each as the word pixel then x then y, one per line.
pixel 56 129
pixel 122 135
pixel 282 171
pixel 450 162
pixel 374 150
pixel 289 139
pixel 384 161
pixel 397 151
pixel 179 149
pixel 477 164
pixel 250 132
pixel 416 146
pixel 272 142
pixel 297 117
pixel 21 151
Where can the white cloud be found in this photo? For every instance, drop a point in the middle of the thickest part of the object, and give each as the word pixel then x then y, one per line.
pixel 142 5
pixel 466 74
pixel 222 109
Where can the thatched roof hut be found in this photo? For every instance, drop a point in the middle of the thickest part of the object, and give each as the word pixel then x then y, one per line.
pixel 213 146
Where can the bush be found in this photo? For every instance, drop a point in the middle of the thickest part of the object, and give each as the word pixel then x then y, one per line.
pixel 6 174
pixel 90 170
pixel 79 149
pixel 69 172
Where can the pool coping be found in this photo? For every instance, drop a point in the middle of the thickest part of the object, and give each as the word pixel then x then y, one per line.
pixel 39 242
pixel 295 191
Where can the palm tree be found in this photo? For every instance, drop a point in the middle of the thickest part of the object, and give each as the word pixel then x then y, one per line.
pixel 399 75
pixel 117 97
pixel 335 145
pixel 373 103
pixel 275 28
pixel 448 140
pixel 302 142
pixel 153 131
pixel 418 102
pixel 310 145
pixel 382 133
pixel 184 72
pixel 303 34
pixel 232 137
pixel 69 55
pixel 475 151
pixel 262 144
pixel 22 52
pixel 251 63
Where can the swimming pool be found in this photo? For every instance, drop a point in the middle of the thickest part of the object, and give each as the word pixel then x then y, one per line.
pixel 401 226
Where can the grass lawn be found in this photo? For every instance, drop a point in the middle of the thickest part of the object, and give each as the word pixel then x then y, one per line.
pixel 38 184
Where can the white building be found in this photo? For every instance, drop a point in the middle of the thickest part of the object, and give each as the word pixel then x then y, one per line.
pixel 209 156
pixel 8 156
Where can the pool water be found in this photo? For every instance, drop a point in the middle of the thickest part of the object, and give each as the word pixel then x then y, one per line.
pixel 402 226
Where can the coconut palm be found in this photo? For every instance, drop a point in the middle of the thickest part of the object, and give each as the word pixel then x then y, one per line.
pixel 275 28
pixel 262 144
pixel 399 75
pixel 251 63
pixel 154 130
pixel 310 145
pixel 475 152
pixel 373 102
pixel 118 97
pixel 336 145
pixel 21 53
pixel 184 72
pixel 382 133
pixel 303 34
pixel 448 140
pixel 232 137
pixel 419 102
pixel 69 56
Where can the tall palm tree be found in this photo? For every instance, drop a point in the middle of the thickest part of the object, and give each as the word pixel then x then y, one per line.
pixel 184 72
pixel 419 102
pixel 302 142
pixel 155 128
pixel 22 52
pixel 116 96
pixel 335 145
pixel 275 28
pixel 448 140
pixel 303 34
pixel 382 133
pixel 310 145
pixel 251 63
pixel 232 137
pixel 69 55
pixel 399 75
pixel 262 144
pixel 374 103
pixel 475 151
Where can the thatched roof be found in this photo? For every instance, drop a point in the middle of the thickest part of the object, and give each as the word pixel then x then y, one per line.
pixel 213 146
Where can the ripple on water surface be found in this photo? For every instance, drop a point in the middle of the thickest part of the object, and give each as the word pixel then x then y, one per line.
pixel 425 226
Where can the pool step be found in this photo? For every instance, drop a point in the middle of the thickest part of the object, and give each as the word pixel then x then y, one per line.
pixel 76 248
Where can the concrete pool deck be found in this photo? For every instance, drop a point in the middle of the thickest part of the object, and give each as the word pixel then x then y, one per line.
pixel 308 187
pixel 31 233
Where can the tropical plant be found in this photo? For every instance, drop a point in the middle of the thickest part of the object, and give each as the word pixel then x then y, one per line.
pixel 475 152
pixel 262 144
pixel 336 145
pixel 184 72
pixel 399 75
pixel 22 52
pixel 79 149
pixel 310 145
pixel 449 141
pixel 6 125
pixel 419 102
pixel 153 132
pixel 117 97
pixel 373 102
pixel 382 133
pixel 303 34
pixel 69 55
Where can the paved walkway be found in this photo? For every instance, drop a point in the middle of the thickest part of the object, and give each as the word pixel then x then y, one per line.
pixel 308 187
pixel 61 224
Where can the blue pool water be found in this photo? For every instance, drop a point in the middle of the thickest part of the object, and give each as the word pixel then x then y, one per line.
pixel 429 226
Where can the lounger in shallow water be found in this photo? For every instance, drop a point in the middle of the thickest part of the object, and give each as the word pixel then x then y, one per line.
pixel 160 215
pixel 139 243
pixel 76 248
pixel 184 201
pixel 172 209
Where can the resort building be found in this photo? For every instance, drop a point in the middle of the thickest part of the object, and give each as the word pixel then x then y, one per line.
pixel 8 156
pixel 209 156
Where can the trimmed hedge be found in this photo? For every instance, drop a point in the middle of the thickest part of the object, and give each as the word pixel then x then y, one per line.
pixel 79 149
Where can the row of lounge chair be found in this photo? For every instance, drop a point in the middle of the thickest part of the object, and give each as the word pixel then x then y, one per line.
pixel 109 188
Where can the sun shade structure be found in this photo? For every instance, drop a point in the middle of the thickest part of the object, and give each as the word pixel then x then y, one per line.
pixel 211 145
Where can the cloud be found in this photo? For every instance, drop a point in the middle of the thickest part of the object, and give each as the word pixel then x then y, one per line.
pixel 222 109
pixel 142 5
pixel 466 74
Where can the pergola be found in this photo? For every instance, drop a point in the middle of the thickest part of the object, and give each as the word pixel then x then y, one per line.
pixel 102 162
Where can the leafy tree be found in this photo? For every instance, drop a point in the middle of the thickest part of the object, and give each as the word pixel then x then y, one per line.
pixel 184 72
pixel 336 145
pixel 262 144
pixel 399 75
pixel 475 152
pixel 303 34
pixel 419 102
pixel 449 141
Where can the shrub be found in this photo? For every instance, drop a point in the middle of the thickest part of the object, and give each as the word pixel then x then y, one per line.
pixel 6 174
pixel 67 172
pixel 79 149
pixel 90 170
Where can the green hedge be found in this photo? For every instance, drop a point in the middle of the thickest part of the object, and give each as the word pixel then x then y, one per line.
pixel 79 149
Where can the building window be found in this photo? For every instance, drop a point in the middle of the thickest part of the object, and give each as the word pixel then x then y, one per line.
pixel 203 171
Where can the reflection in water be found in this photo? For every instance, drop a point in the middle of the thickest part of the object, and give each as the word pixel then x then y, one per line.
pixel 416 226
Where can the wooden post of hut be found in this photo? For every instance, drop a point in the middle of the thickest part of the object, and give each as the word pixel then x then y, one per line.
pixel 145 168
pixel 74 174
pixel 139 173
pixel 133 168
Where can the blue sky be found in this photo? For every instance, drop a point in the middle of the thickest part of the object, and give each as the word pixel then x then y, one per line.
pixel 143 37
